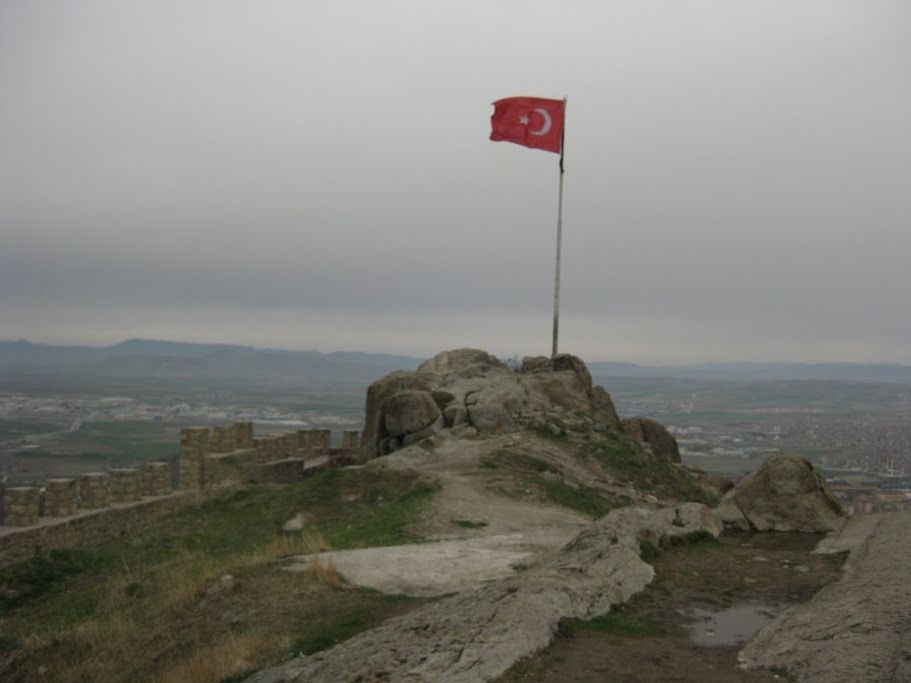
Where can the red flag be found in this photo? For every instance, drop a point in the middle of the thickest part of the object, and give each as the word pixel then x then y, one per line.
pixel 530 121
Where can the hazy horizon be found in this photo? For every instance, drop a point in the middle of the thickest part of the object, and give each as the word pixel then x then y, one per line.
pixel 317 176
pixel 504 355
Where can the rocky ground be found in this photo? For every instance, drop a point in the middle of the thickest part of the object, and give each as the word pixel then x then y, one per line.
pixel 478 634
pixel 857 628
pixel 551 514
pixel 690 623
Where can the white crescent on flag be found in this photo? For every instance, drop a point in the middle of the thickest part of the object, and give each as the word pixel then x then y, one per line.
pixel 547 123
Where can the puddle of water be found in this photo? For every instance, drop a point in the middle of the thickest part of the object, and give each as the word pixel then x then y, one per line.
pixel 737 624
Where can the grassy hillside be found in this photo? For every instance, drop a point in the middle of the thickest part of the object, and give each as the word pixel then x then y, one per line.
pixel 155 606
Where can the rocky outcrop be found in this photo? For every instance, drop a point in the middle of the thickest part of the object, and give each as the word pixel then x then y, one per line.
pixel 784 494
pixel 378 395
pixel 470 391
pixel 655 434
pixel 856 629
pixel 478 634
pixel 408 412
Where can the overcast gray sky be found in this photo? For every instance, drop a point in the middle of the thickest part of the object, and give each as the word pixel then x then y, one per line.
pixel 318 175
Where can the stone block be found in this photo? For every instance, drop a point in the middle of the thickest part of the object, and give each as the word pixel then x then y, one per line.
pixel 126 486
pixel 194 447
pixel 94 490
pixel 156 479
pixel 243 435
pixel 222 439
pixel 20 505
pixel 60 497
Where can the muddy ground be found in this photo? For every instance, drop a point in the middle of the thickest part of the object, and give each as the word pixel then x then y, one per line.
pixel 649 639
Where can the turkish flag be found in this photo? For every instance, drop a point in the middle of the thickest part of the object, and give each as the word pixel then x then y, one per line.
pixel 529 121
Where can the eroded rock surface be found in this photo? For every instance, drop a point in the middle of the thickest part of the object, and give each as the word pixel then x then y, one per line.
pixel 470 391
pixel 478 634
pixel 653 433
pixel 856 629
pixel 784 494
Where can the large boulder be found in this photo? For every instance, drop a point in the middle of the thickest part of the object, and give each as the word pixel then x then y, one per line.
pixel 784 494
pixel 410 411
pixel 653 433
pixel 378 395
pixel 605 412
pixel 470 391
pixel 465 362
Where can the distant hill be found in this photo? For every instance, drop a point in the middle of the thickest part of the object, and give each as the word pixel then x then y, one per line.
pixel 152 359
pixel 143 359
pixel 762 372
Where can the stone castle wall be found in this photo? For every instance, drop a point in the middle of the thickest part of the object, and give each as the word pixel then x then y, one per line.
pixel 99 505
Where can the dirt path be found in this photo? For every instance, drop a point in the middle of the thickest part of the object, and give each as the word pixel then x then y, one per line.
pixel 469 495
pixel 858 628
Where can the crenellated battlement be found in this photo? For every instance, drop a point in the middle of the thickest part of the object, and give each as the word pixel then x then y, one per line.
pixel 232 454
pixel 93 506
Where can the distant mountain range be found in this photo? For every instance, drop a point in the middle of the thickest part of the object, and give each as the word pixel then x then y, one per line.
pixel 143 359
pixel 762 372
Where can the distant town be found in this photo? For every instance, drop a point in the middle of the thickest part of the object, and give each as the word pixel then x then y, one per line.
pixel 865 454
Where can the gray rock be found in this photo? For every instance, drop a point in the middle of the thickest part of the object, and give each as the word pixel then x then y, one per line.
pixel 294 524
pixel 464 431
pixel 443 398
pixel 478 634
pixel 408 412
pixel 422 434
pixel 223 584
pixel 378 394
pixel 455 414
pixel 470 386
pixel 468 362
pixel 787 494
pixel 854 629
pixel 491 417
pixel 731 515
pixel 653 433
pixel 605 412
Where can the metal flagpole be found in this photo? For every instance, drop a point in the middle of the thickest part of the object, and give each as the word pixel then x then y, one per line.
pixel 559 238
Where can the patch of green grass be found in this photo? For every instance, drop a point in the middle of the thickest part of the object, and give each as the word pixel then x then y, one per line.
pixel 18 429
pixel 548 432
pixel 518 461
pixel 350 508
pixel 584 499
pixel 699 538
pixel 41 575
pixel 619 622
pixel 385 524
pixel 539 473
pixel 469 524
pixel 628 461
pixel 699 541
pixel 333 627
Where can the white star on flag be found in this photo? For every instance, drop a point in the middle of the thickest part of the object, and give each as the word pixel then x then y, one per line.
pixel 523 119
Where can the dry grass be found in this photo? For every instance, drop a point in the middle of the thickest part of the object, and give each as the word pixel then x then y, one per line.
pixel 91 651
pixel 94 648
pixel 323 570
pixel 234 655
pixel 138 609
